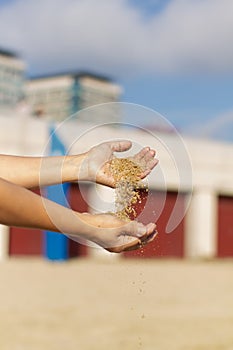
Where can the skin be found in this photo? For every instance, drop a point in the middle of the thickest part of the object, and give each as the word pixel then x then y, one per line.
pixel 21 207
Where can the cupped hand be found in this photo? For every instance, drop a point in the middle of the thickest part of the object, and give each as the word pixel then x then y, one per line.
pixel 115 235
pixel 96 165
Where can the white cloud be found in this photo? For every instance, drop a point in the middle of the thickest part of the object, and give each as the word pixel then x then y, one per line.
pixel 188 36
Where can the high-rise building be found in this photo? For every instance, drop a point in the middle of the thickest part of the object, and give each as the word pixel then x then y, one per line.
pixel 12 78
pixel 60 96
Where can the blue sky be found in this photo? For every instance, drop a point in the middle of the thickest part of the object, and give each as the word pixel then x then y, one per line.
pixel 149 7
pixel 174 56
pixel 186 101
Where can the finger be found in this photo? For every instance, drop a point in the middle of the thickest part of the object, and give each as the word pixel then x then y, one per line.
pixel 141 154
pixel 133 245
pixel 149 155
pixel 145 153
pixel 150 166
pixel 138 230
pixel 125 244
pixel 151 227
pixel 120 146
pixel 134 229
pixel 151 232
pixel 128 248
pixel 152 237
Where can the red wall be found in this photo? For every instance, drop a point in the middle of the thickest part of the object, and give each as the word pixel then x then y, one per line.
pixel 225 226
pixel 165 244
pixel 30 241
pixel 25 241
pixel 78 202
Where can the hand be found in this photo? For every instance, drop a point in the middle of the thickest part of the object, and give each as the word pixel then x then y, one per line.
pixel 115 235
pixel 97 162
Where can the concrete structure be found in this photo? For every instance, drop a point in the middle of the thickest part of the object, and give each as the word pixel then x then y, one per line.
pixel 12 77
pixel 191 189
pixel 59 96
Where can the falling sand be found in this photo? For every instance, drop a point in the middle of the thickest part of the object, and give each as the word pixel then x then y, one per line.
pixel 127 176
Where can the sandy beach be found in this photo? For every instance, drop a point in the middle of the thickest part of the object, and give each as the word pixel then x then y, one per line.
pixel 105 304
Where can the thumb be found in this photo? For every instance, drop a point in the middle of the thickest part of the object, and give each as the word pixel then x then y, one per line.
pixel 120 146
pixel 135 229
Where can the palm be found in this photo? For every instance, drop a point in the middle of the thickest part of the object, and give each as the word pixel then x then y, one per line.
pixel 99 158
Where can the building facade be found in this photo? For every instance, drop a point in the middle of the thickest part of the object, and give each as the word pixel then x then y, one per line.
pixel 12 79
pixel 190 199
pixel 61 96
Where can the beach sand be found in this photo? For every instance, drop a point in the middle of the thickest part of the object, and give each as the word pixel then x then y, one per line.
pixel 116 304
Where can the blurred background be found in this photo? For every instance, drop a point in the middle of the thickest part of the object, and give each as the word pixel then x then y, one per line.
pixel 74 73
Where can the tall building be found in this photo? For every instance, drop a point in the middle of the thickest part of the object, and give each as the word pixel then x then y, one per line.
pixel 60 96
pixel 12 78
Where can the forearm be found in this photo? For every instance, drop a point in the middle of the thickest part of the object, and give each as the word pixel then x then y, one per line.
pixel 32 172
pixel 21 207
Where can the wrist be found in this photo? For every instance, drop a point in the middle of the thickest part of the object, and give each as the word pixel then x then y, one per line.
pixel 74 168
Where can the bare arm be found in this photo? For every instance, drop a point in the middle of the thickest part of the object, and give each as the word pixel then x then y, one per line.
pixel 21 207
pixel 93 165
pixel 31 172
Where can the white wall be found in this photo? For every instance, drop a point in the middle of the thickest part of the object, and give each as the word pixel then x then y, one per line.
pixel 201 224
pixel 184 164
